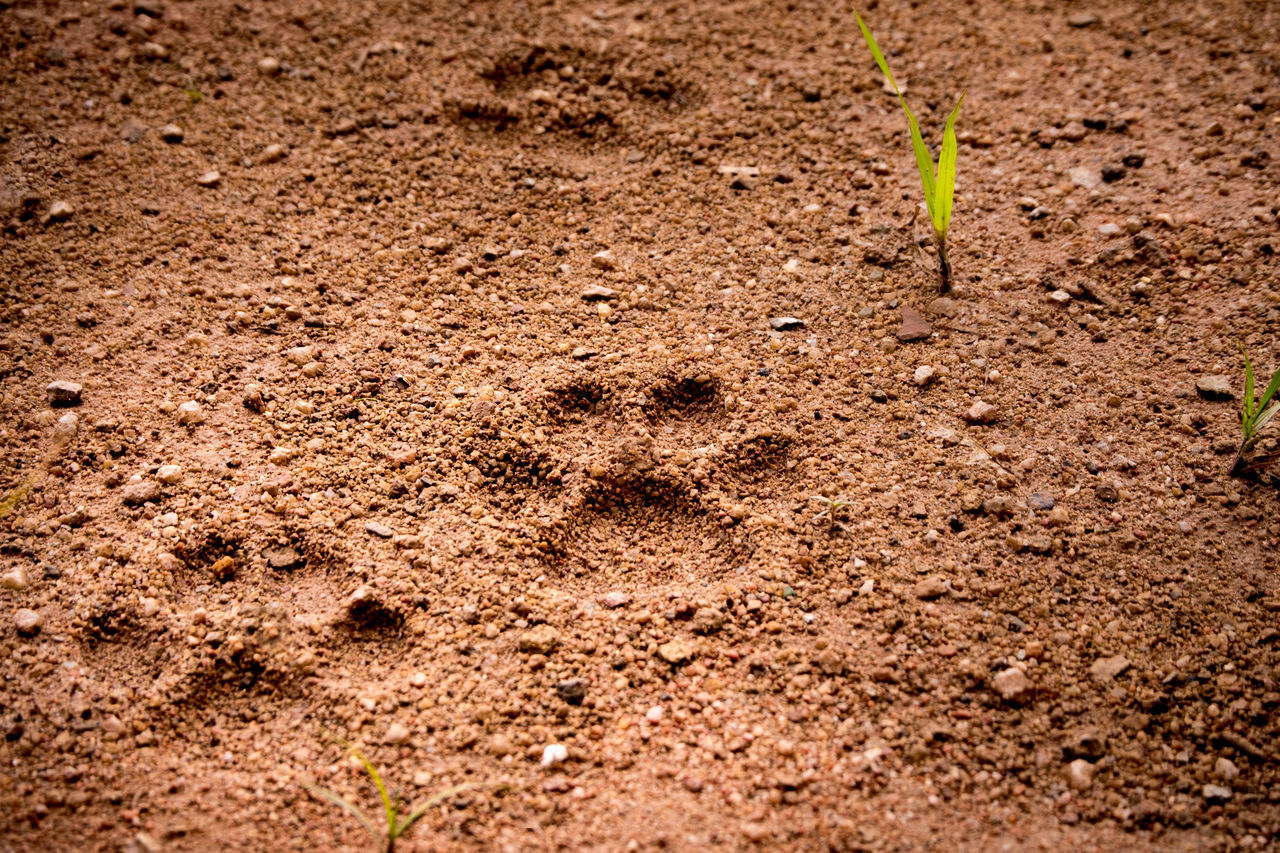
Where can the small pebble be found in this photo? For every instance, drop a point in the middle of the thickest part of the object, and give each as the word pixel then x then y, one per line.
pixel 61 211
pixel 269 66
pixel 379 530
pixel 171 133
pixel 1216 793
pixel 553 754
pixel 28 622
pixel 273 153
pixel 169 474
pixel 210 178
pixel 614 600
pixel 924 375
pixel 62 393
pixel 914 326
pixel 782 324
pixel 981 413
pixel 1012 684
pixel 190 413
pixel 1080 774
pixel 16 579
pixel 1214 387
pixel 397 734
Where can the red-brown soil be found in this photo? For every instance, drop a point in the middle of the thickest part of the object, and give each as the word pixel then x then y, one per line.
pixel 457 487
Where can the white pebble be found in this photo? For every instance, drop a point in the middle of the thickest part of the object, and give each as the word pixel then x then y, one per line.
pixel 169 474
pixel 190 412
pixel 553 754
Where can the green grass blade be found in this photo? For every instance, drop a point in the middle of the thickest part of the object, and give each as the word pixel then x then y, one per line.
pixel 412 818
pixel 924 162
pixel 875 51
pixel 946 185
pixel 347 806
pixel 1266 416
pixel 924 159
pixel 1272 387
pixel 1248 387
pixel 387 806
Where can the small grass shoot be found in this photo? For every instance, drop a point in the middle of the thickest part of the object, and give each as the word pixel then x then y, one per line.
pixel 833 508
pixel 396 825
pixel 1255 413
pixel 939 186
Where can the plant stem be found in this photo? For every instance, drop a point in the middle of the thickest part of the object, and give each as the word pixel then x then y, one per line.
pixel 944 266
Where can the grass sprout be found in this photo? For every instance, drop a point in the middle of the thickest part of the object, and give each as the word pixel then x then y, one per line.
pixel 939 186
pixel 396 823
pixel 833 508
pixel 1255 414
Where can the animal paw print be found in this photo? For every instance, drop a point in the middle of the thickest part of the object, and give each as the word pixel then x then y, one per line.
pixel 654 477
pixel 244 618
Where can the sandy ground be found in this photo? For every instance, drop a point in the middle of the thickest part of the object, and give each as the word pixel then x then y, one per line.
pixel 518 391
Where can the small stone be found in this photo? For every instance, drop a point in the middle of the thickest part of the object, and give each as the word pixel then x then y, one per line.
pixel 616 599
pixel 981 413
pixel 28 622
pixel 141 492
pixel 16 579
pixel 283 557
pixel 1214 387
pixel 397 734
pixel 1061 297
pixel 597 292
pixel 170 475
pixel 210 178
pixel 1013 685
pixel 540 639
pixel 924 375
pixel 1085 177
pixel 62 393
pixel 553 754
pixel 269 66
pixel 171 133
pixel 299 355
pixel 677 651
pixel 1108 669
pixel 190 413
pixel 1080 20
pixel 1089 744
pixel 379 530
pixel 131 131
pixel 573 691
pixel 914 326
pixel 655 714
pixel 1216 794
pixel 692 783
pixel 708 620
pixel 931 588
pixel 782 324
pixel 60 211
pixel 1112 172
pixel 1224 768
pixel 1109 229
pixel 273 153
pixel 604 260
pixel 831 662
pixel 1040 500
pixel 1080 774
